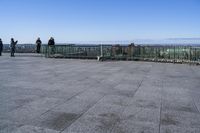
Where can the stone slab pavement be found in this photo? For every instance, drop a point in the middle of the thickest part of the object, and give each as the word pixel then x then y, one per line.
pixel 40 95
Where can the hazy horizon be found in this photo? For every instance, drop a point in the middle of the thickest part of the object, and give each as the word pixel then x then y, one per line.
pixel 178 41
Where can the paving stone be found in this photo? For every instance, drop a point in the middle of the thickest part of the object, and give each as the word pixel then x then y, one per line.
pixel 186 105
pixel 32 129
pixel 100 118
pixel 180 119
pixel 32 110
pixel 175 129
pixel 128 126
pixel 7 126
pixel 100 123
pixel 136 114
pixel 55 120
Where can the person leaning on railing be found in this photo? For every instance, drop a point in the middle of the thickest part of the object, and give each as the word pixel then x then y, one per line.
pixel 1 46
pixel 51 44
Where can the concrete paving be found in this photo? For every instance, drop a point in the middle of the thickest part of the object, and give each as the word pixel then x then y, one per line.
pixel 40 95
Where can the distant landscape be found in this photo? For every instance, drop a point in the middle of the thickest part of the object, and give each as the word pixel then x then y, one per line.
pixel 30 48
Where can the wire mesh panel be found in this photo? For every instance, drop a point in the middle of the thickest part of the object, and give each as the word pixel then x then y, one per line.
pixel 131 52
pixel 72 51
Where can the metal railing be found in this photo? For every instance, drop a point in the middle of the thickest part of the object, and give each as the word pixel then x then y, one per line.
pixel 131 52
pixel 20 48
pixel 75 51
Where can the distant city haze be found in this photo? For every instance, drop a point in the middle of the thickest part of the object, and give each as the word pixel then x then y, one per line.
pixel 101 21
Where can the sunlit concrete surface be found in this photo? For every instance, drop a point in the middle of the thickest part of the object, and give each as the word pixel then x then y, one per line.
pixel 40 95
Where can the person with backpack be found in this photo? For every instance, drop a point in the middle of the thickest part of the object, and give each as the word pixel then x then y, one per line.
pixel 51 46
pixel 51 42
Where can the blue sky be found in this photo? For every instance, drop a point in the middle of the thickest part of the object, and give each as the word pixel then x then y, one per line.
pixel 98 20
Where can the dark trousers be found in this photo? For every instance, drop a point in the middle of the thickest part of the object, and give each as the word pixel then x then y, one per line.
pixel 1 49
pixel 12 54
pixel 38 48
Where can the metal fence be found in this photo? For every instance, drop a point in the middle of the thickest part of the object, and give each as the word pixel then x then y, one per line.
pixel 76 51
pixel 131 52
pixel 20 48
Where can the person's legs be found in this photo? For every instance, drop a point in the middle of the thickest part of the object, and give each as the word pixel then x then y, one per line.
pixel 12 53
pixel 39 49
pixel 53 49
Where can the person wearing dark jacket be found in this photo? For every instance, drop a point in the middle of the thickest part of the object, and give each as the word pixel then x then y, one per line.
pixel 1 46
pixel 38 45
pixel 51 44
pixel 13 45
pixel 51 41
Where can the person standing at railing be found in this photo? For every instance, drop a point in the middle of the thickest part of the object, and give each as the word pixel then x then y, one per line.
pixel 38 45
pixel 13 46
pixel 1 46
pixel 51 44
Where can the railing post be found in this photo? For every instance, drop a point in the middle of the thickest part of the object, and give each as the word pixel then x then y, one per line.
pixel 47 51
pixel 174 53
pixel 190 52
pixel 101 50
